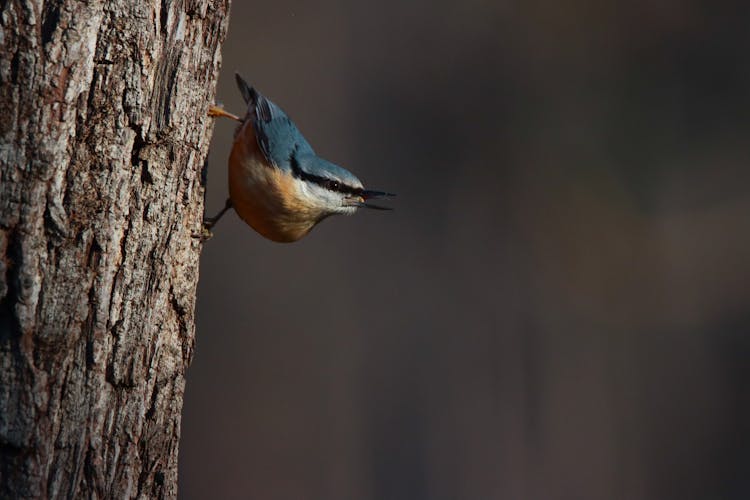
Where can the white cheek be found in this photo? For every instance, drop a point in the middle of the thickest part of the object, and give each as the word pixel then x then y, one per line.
pixel 322 200
pixel 314 196
pixel 348 210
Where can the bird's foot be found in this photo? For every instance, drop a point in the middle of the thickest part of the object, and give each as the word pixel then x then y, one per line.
pixel 219 112
pixel 205 233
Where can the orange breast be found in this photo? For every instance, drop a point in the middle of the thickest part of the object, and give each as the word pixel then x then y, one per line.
pixel 263 195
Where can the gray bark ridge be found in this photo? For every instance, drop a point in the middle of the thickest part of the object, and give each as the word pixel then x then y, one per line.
pixel 102 139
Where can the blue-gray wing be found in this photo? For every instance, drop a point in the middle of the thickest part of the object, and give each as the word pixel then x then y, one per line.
pixel 278 137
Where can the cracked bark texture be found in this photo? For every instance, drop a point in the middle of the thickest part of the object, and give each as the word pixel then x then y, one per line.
pixel 102 139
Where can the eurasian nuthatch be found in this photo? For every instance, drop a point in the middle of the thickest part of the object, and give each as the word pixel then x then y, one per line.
pixel 277 184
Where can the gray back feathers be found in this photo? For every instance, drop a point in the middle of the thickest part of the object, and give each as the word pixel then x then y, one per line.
pixel 283 144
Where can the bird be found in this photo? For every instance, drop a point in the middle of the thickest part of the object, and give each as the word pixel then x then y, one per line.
pixel 277 183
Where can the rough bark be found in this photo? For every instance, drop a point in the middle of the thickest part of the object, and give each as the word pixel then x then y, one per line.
pixel 103 134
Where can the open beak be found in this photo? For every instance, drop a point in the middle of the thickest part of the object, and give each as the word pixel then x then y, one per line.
pixel 373 195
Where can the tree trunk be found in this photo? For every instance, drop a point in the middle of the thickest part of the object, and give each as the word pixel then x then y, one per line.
pixel 102 139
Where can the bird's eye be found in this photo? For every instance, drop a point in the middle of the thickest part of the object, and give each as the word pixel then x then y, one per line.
pixel 333 185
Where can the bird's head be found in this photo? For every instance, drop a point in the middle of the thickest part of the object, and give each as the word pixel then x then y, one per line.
pixel 333 190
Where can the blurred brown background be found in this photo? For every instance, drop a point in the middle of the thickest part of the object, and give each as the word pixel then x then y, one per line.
pixel 559 306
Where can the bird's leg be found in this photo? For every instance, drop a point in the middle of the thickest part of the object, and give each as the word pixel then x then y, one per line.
pixel 219 112
pixel 210 222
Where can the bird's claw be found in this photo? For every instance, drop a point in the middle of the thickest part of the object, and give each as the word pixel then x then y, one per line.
pixel 205 233
pixel 219 112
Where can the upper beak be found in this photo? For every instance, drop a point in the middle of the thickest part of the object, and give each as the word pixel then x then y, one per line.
pixel 369 195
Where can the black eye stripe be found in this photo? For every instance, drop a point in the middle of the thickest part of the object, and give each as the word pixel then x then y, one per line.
pixel 324 182
pixel 332 185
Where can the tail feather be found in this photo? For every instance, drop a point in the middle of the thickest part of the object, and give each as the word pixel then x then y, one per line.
pixel 249 94
pixel 258 106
